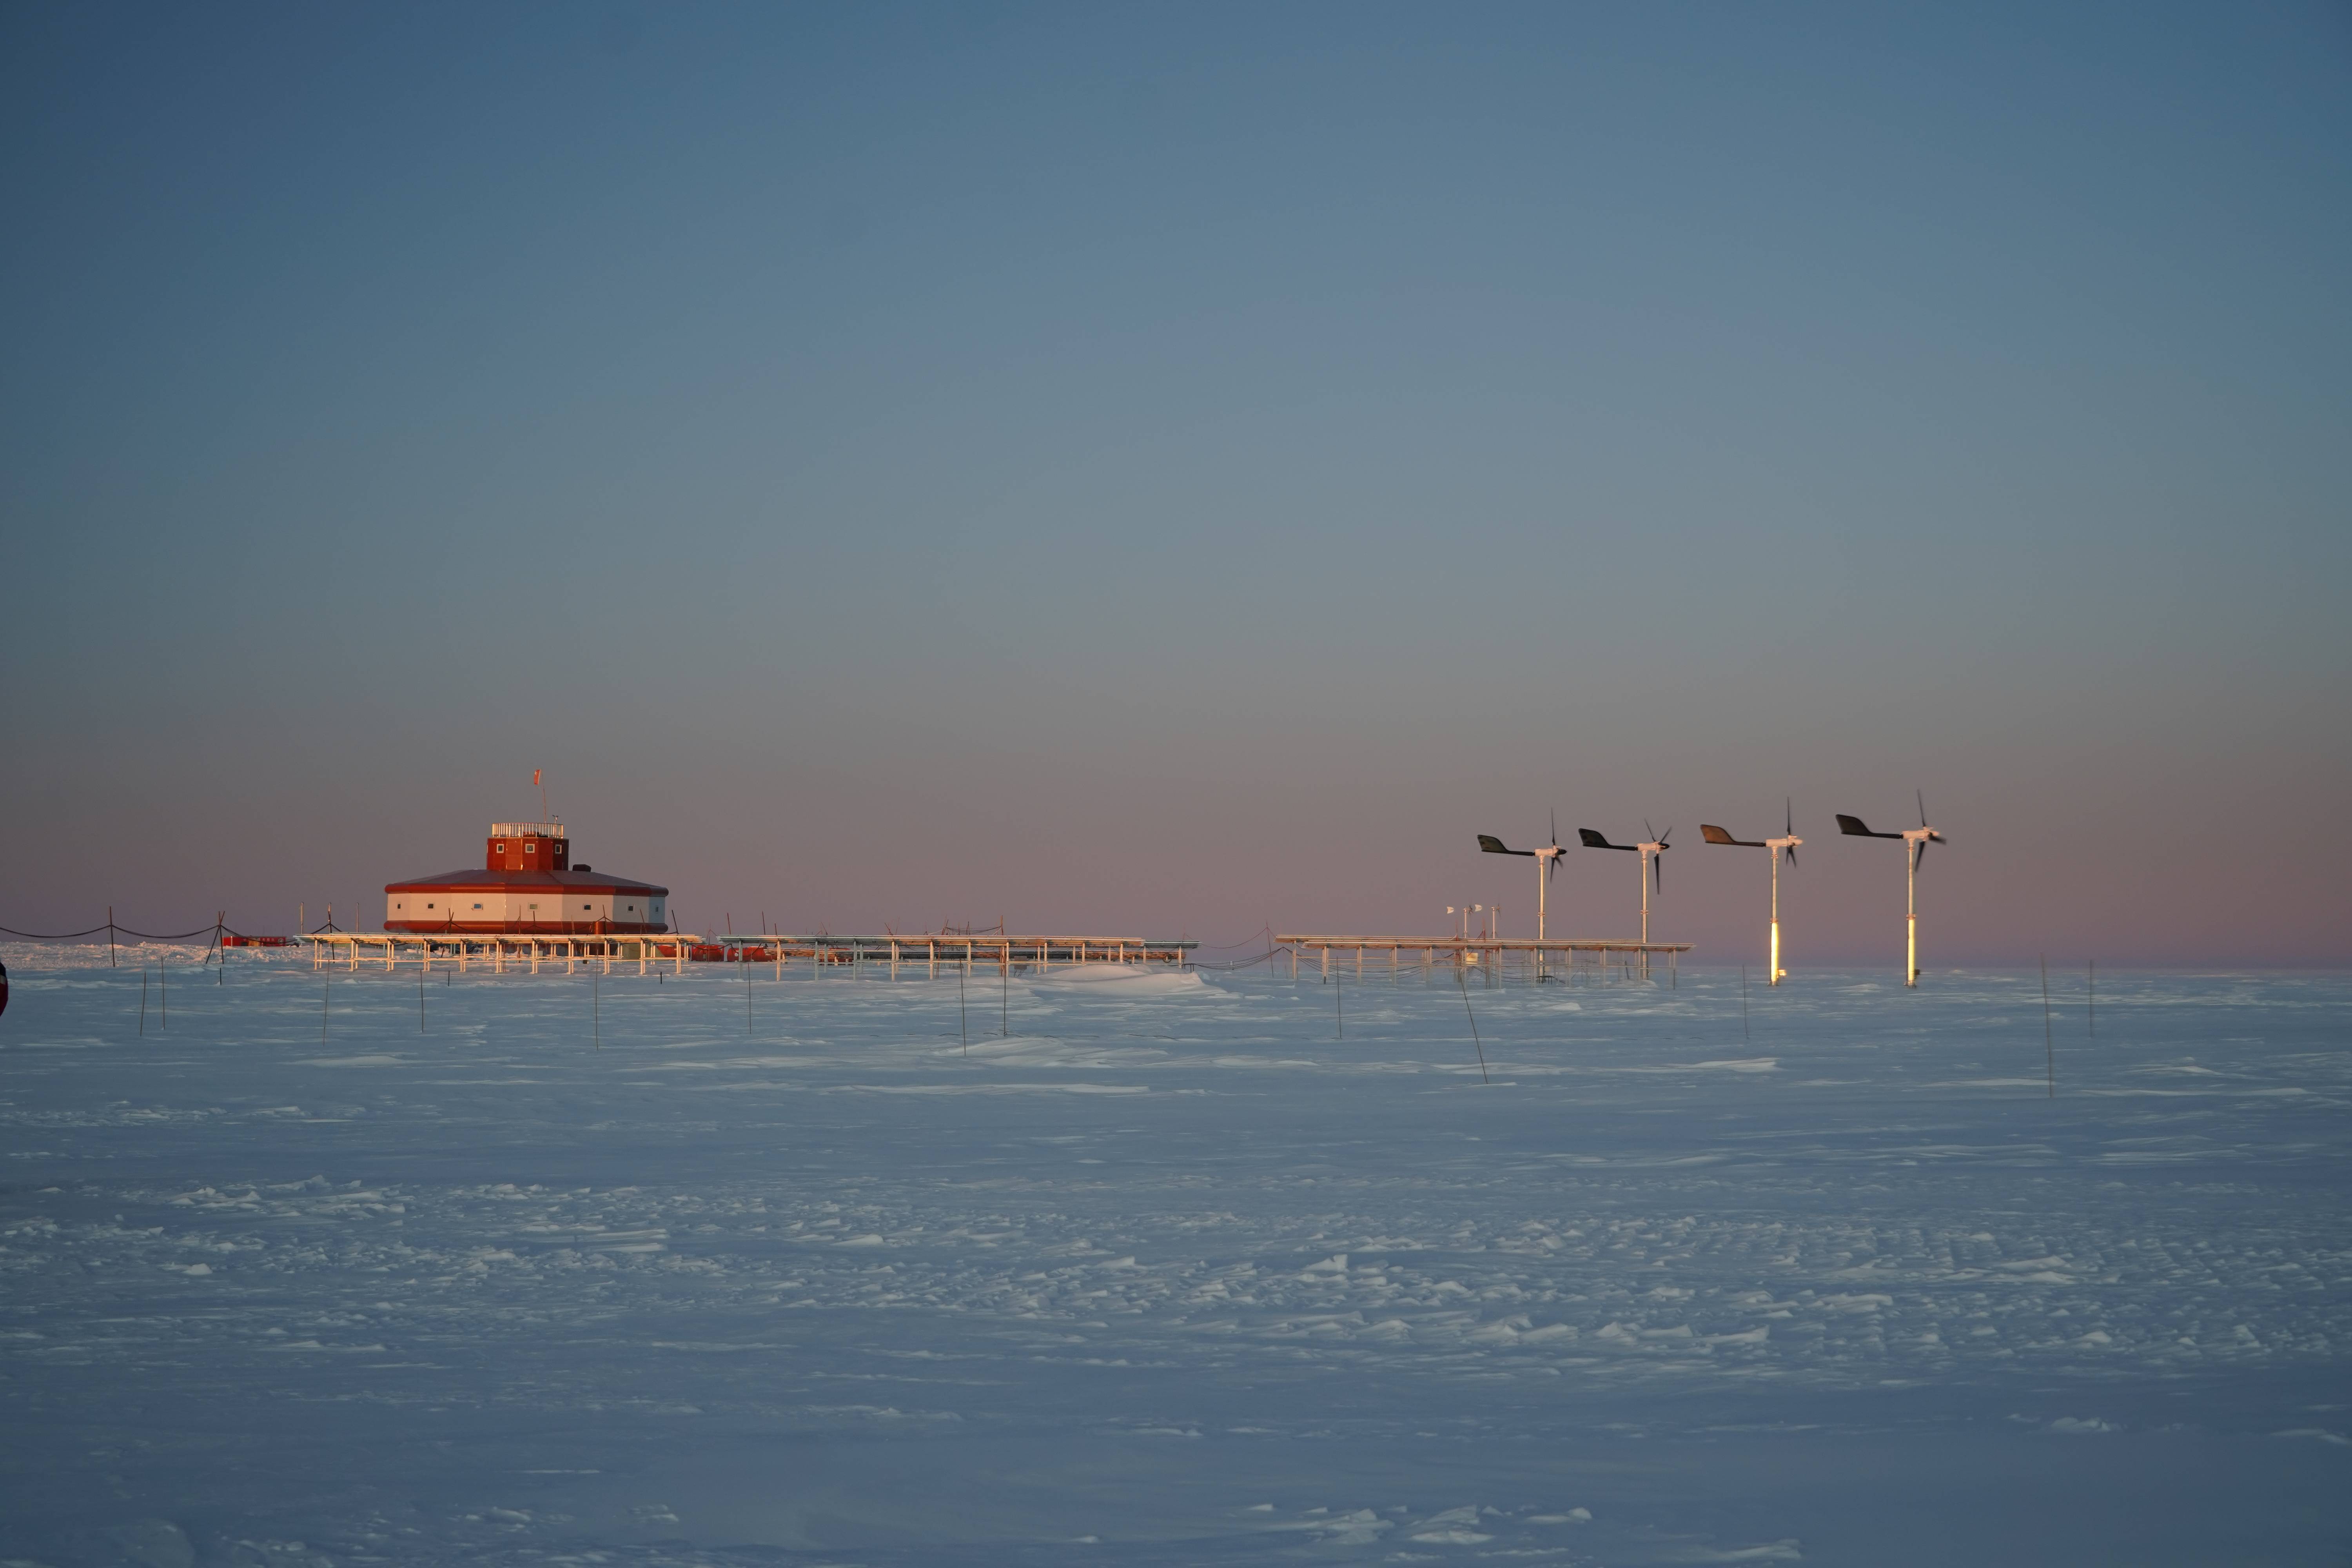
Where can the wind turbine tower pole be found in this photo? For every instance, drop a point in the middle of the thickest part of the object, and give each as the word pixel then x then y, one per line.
pixel 1911 917
pixel 1777 970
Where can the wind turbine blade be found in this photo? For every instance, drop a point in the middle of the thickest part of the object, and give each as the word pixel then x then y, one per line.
pixel 1923 807
pixel 1918 857
pixel 1669 833
pixel 1658 872
pixel 1647 828
pixel 1793 858
pixel 1788 817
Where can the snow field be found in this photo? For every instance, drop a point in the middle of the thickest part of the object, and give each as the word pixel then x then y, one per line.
pixel 1169 1265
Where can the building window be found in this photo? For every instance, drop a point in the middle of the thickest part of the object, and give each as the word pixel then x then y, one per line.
pixel 477 906
pixel 428 906
pixel 531 848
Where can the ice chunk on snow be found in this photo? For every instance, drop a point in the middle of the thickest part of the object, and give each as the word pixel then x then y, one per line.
pixel 1454 1527
pixel 1771 1552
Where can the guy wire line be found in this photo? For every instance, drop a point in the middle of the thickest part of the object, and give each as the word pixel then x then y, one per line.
pixel 122 930
pixel 1464 983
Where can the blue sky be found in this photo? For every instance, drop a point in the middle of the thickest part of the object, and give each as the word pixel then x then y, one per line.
pixel 1185 467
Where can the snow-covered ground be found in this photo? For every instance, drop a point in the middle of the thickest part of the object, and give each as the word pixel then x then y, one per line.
pixel 1169 1274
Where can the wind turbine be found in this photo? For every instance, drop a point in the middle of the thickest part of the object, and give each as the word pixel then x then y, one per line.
pixel 1787 843
pixel 1915 846
pixel 1651 851
pixel 1547 861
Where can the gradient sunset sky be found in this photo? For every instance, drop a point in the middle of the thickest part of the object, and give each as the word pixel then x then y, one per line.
pixel 1188 468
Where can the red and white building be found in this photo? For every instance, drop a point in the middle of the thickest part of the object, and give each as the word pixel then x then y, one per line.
pixel 527 885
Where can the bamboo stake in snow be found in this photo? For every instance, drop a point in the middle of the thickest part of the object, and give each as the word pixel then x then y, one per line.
pixel 2049 1044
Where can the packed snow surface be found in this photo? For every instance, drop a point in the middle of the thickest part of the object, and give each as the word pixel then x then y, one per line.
pixel 1165 1268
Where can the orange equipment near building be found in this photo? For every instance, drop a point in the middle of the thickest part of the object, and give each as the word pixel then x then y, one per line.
pixel 527 885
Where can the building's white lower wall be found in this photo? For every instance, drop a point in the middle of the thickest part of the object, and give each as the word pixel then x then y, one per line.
pixel 524 907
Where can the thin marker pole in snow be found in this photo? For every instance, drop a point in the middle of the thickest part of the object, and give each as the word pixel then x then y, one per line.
pixel 2049 1044
pixel 1005 996
pixel 1473 1028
